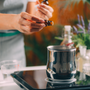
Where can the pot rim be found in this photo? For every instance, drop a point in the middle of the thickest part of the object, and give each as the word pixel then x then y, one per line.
pixel 60 48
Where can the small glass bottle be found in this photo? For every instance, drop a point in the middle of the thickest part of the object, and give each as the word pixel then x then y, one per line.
pixel 67 36
pixel 45 2
pixel 48 23
pixel 83 59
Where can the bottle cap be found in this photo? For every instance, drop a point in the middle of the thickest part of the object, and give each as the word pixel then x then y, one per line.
pixel 52 23
pixel 67 27
pixel 49 23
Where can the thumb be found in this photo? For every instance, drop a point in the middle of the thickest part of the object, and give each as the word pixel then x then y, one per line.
pixel 37 2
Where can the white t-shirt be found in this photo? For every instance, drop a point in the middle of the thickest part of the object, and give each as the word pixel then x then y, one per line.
pixel 14 6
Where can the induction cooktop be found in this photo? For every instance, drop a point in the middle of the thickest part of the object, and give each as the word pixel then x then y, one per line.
pixel 37 80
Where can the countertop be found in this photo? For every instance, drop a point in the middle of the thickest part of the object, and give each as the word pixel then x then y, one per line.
pixel 12 85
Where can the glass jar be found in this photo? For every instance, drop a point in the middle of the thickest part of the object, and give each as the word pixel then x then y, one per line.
pixel 83 59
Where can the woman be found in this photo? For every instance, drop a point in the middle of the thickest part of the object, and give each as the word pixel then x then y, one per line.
pixel 17 17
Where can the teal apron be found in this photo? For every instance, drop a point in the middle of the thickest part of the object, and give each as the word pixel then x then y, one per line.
pixel 12 41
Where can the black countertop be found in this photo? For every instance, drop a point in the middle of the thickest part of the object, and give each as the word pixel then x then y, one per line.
pixel 37 80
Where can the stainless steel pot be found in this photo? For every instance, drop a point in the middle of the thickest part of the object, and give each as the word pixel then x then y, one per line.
pixel 60 62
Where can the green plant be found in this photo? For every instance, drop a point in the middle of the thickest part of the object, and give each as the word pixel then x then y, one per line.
pixel 82 36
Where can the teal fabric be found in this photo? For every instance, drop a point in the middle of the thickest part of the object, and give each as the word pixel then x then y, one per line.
pixel 9 34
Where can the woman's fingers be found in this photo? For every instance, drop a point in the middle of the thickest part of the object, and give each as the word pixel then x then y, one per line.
pixel 45 10
pixel 33 28
pixel 30 17
pixel 36 25
pixel 24 22
pixel 29 30
pixel 37 2
pixel 31 24
pixel 50 9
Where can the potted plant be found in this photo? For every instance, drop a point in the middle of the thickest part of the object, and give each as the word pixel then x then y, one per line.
pixel 81 33
pixel 81 36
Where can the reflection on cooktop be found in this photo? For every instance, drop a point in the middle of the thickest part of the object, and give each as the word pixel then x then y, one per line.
pixel 37 79
pixel 54 85
pixel 60 83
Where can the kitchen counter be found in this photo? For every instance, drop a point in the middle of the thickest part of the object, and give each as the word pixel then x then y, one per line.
pixel 12 85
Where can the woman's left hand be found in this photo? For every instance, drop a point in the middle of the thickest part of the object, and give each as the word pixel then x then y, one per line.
pixel 44 11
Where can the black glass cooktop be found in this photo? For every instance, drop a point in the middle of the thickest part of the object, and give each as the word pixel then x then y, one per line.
pixel 37 80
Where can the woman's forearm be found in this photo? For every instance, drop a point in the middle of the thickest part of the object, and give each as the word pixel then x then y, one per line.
pixel 31 7
pixel 7 21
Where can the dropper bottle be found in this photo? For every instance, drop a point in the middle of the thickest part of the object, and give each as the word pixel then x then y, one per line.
pixel 45 2
pixel 48 23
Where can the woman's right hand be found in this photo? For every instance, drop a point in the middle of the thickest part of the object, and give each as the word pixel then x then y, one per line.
pixel 27 23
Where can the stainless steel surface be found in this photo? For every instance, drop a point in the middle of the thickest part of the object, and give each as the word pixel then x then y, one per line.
pixel 61 62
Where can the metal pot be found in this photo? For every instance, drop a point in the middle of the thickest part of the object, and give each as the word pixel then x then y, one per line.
pixel 61 62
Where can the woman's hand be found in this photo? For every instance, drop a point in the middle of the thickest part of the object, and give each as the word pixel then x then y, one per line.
pixel 44 11
pixel 27 24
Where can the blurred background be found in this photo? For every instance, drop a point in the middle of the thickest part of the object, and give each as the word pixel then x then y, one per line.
pixel 65 13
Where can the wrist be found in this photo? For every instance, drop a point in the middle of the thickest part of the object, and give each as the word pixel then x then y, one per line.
pixel 7 21
pixel 14 21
